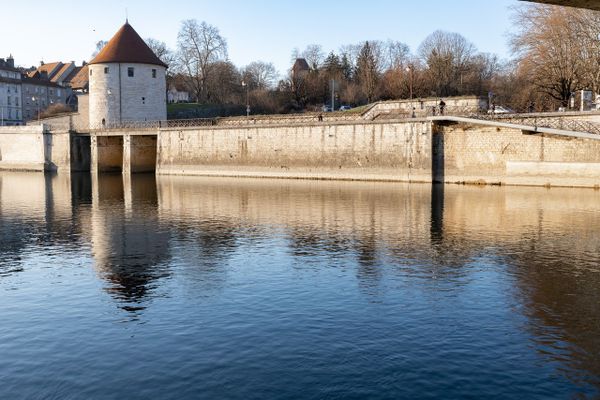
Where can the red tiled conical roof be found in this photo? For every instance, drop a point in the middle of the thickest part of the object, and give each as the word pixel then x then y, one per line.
pixel 127 47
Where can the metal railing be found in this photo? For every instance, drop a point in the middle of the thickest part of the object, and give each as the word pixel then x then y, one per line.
pixel 537 121
pixel 228 121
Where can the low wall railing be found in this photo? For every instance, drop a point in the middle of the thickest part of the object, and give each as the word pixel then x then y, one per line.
pixel 552 122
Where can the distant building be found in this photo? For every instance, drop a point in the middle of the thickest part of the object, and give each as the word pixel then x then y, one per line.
pixel 127 82
pixel 177 94
pixel 10 93
pixel 39 94
pixel 300 68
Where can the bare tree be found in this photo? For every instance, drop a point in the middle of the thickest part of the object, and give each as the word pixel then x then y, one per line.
pixel 161 50
pixel 548 48
pixel 260 75
pixel 314 55
pixel 447 56
pixel 396 55
pixel 99 46
pixel 200 47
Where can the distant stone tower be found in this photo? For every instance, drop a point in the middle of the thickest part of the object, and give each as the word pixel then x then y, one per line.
pixel 127 82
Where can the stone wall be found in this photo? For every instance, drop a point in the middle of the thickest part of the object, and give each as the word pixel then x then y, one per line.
pixel 32 148
pixel 349 151
pixel 461 105
pixel 22 148
pixel 489 155
pixel 393 151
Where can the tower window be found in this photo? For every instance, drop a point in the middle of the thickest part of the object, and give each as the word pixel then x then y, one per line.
pixel 130 72
pixel 90 72
pixel 106 70
pixel 153 73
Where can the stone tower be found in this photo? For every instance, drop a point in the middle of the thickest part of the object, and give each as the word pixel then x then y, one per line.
pixel 127 82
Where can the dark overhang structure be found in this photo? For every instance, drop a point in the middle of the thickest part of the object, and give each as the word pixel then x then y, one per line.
pixel 591 4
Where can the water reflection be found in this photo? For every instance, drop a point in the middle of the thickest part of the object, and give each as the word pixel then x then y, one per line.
pixel 440 254
pixel 129 246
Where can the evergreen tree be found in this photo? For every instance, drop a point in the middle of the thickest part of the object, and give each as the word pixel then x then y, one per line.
pixel 332 66
pixel 347 68
pixel 366 72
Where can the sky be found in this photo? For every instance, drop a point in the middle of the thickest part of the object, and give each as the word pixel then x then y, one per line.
pixel 265 30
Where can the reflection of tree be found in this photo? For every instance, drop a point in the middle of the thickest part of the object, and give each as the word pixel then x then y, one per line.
pixel 204 248
pixel 558 282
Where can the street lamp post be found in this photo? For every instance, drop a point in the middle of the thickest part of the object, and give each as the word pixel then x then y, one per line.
pixel 244 84
pixel 37 100
pixel 410 71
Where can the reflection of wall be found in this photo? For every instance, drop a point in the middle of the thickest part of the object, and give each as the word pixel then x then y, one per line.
pixel 545 241
pixel 344 207
pixel 40 207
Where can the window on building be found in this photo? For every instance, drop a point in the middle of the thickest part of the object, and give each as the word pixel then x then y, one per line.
pixel 90 71
pixel 51 92
pixel 17 101
pixel 58 92
pixel 130 72
pixel 9 101
pixel 106 70
pixel 153 73
pixel 143 100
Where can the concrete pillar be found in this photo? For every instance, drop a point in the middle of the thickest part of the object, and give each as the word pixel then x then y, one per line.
pixel 127 155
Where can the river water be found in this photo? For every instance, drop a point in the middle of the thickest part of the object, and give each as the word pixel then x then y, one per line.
pixel 181 287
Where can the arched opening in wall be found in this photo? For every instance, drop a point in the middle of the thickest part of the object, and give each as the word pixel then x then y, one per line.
pixel 109 153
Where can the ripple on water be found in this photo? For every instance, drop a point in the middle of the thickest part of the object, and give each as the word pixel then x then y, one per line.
pixel 224 288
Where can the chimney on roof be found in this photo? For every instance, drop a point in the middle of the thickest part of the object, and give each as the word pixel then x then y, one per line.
pixel 42 62
pixel 83 63
pixel 10 61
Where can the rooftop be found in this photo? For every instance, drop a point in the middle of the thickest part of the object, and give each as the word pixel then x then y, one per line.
pixel 126 46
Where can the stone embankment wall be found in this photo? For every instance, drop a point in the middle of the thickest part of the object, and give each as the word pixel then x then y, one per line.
pixel 417 151
pixel 350 151
pixel 488 155
pixel 33 148
pixel 22 148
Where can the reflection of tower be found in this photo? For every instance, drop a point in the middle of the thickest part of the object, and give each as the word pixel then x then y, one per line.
pixel 128 246
pixel 127 82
